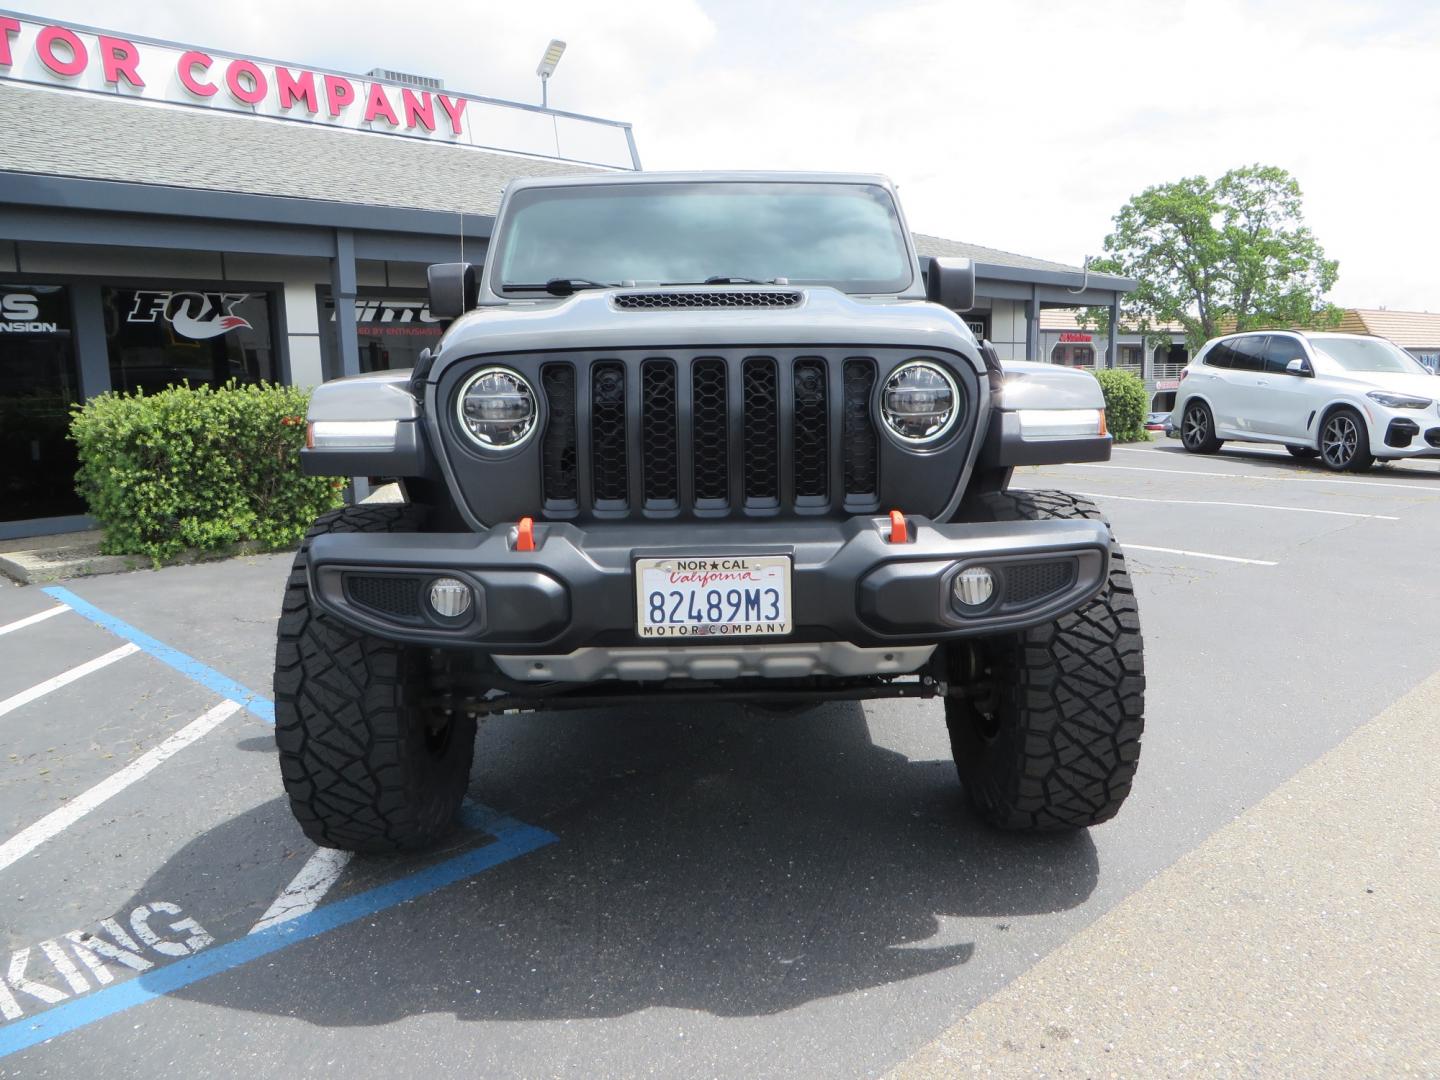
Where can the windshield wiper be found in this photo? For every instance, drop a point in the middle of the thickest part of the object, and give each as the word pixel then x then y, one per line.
pixel 721 279
pixel 564 286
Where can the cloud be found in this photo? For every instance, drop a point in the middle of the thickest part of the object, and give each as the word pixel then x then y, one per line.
pixel 1022 125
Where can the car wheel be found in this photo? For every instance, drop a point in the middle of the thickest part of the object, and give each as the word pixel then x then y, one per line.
pixel 1345 442
pixel 1053 743
pixel 1304 453
pixel 1197 429
pixel 369 765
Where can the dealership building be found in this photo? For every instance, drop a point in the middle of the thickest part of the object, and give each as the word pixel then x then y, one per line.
pixel 170 212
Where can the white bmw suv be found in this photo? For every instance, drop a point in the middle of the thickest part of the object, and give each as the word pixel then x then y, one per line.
pixel 1348 398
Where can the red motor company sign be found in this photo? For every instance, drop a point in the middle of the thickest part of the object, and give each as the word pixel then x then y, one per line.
pixel 1070 335
pixel 81 58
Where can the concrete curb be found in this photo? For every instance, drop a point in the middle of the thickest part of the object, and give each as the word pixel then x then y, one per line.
pixel 45 566
pixel 75 555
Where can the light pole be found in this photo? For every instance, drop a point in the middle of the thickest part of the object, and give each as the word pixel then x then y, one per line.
pixel 547 66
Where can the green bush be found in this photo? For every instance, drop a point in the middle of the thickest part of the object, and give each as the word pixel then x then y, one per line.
pixel 198 468
pixel 1126 404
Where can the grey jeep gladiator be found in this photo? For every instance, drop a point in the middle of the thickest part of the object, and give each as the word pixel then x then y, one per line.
pixel 712 436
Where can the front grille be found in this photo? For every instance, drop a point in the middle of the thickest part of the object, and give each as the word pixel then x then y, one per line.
pixel 859 446
pixel 386 594
pixel 658 433
pixel 1028 582
pixel 710 435
pixel 607 430
pixel 559 448
pixel 709 414
pixel 729 298
pixel 812 430
pixel 762 433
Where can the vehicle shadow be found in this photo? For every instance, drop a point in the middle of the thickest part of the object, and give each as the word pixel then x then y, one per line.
pixel 723 860
pixel 1278 461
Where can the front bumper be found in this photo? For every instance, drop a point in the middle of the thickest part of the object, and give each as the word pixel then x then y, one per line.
pixel 1406 433
pixel 576 588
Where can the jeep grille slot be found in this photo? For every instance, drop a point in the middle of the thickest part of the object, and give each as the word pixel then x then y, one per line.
pixel 761 443
pixel 812 430
pixel 859 448
pixel 659 446
pixel 561 476
pixel 728 298
pixel 710 416
pixel 611 473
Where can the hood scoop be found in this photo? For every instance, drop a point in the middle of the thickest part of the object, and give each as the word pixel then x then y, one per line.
pixel 718 298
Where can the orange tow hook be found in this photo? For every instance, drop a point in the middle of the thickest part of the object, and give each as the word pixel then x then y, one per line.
pixel 525 535
pixel 899 530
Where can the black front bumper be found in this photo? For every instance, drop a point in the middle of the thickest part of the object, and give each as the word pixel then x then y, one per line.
pixel 848 582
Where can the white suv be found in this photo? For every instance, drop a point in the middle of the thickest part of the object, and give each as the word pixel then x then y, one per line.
pixel 1346 397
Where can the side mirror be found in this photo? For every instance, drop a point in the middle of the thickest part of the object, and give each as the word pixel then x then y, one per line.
pixel 949 281
pixel 453 289
pixel 1298 366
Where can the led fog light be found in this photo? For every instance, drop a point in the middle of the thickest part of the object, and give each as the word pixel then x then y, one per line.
pixel 449 598
pixel 974 586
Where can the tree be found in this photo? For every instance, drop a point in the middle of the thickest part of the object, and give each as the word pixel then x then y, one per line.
pixel 1220 257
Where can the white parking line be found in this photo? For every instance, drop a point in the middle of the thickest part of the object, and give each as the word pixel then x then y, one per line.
pixel 31 620
pixel 309 887
pixel 41 689
pixel 1200 555
pixel 27 840
pixel 1242 505
pixel 1434 489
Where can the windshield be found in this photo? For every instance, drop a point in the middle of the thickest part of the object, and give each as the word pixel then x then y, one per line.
pixel 845 235
pixel 1368 354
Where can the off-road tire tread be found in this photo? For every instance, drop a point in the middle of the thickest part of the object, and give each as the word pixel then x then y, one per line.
pixel 353 765
pixel 1072 700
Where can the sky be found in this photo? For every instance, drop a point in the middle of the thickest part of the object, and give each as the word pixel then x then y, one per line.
pixel 1022 125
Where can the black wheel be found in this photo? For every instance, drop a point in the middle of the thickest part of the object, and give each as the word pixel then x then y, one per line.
pixel 1345 441
pixel 1197 429
pixel 1055 742
pixel 1304 453
pixel 367 766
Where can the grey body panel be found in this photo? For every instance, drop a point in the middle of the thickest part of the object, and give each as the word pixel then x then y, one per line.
pixel 589 320
pixel 380 395
pixel 1029 385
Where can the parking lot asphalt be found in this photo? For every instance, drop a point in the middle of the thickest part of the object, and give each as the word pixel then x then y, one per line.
pixel 642 892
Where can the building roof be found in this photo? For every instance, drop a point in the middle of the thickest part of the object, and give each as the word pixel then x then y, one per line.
pixel 1008 260
pixel 1408 329
pixel 938 245
pixel 58 132
pixel 1064 319
pixel 63 133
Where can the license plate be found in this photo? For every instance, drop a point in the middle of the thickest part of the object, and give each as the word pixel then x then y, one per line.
pixel 713 596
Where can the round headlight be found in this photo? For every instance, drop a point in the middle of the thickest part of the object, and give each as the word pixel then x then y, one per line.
pixel 919 402
pixel 497 408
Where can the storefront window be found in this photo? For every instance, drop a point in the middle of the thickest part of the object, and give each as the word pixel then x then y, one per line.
pixel 38 384
pixel 392 330
pixel 165 337
pixel 1071 355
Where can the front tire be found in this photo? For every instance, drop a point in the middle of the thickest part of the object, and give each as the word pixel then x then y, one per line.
pixel 367 765
pixel 1055 744
pixel 1345 442
pixel 1197 429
